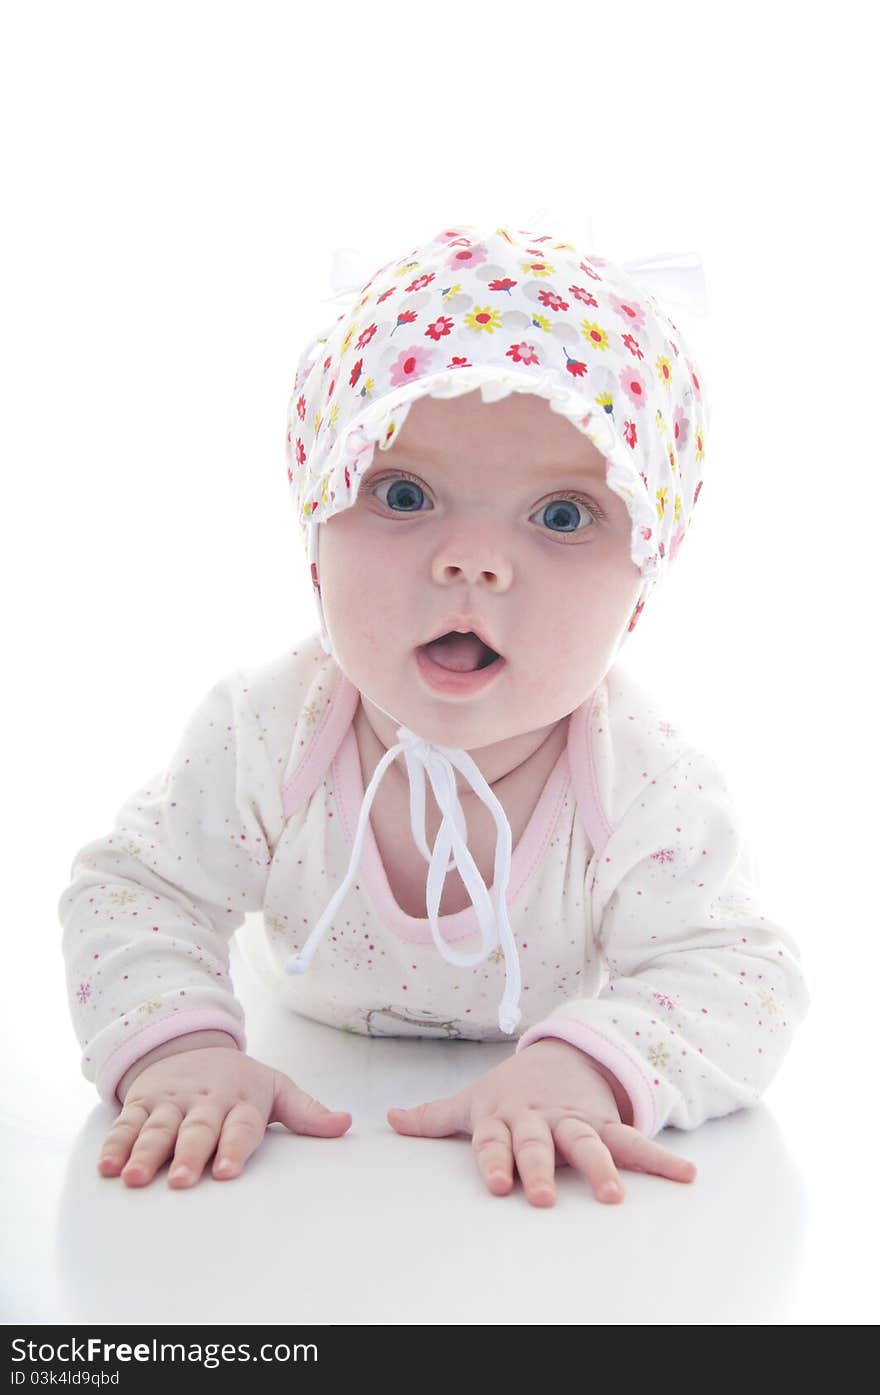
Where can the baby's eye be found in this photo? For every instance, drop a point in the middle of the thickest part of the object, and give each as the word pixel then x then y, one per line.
pixel 403 492
pixel 562 513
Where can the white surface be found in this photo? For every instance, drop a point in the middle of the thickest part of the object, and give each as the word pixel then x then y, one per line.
pixel 377 1228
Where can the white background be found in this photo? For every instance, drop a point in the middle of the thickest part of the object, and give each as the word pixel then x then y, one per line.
pixel 175 178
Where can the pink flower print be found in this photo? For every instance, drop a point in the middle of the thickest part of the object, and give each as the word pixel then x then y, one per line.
pixel 523 353
pixel 588 270
pixel 300 452
pixel 505 285
pixel 420 282
pixel 410 364
pixel 585 297
pixel 676 543
pixel 301 407
pixel 694 379
pixel 84 992
pixel 465 258
pixel 633 385
pixel 646 533
pixel 680 428
pixel 440 327
pixel 365 337
pixel 663 855
pixel 405 317
pixel 664 1001
pixel 632 345
pixel 697 493
pixel 628 310
pixel 552 300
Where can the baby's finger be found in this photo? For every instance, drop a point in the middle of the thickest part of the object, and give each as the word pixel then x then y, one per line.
pixel 632 1150
pixel 118 1143
pixel 196 1141
pixel 535 1155
pixel 582 1148
pixel 494 1154
pixel 153 1145
pixel 242 1133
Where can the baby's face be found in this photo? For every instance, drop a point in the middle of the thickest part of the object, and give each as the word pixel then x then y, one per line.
pixel 481 527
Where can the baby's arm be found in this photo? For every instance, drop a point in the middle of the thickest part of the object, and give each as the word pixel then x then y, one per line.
pixel 147 922
pixel 704 992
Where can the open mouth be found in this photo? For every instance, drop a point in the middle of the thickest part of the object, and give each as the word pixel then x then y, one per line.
pixel 460 653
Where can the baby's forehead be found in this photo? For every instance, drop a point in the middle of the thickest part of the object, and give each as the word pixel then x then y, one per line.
pixel 520 430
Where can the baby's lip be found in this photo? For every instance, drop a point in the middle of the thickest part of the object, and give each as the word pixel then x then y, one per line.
pixel 463 624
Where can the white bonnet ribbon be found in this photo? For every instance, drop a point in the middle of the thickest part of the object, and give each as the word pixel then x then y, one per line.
pixel 494 922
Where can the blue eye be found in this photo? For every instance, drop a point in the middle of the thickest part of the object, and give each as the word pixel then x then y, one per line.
pixel 561 515
pixel 564 512
pixel 403 495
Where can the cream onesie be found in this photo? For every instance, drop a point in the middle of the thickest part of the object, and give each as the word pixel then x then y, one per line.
pixel 631 900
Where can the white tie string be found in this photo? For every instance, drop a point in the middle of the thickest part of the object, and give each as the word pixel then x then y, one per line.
pixel 438 761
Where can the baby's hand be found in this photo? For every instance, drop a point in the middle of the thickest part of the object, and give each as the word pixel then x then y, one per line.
pixel 549 1092
pixel 192 1102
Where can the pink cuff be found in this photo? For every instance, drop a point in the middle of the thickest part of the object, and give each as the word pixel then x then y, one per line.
pixel 611 1053
pixel 154 1034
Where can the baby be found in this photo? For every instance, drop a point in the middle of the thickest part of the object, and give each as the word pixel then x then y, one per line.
pixel 540 429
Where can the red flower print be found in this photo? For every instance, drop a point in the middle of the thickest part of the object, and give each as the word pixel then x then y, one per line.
pixel 300 452
pixel 574 365
pixel 635 616
pixel 410 364
pixel 523 353
pixel 633 385
pixel 505 285
pixel 330 390
pixel 694 379
pixel 552 300
pixel 697 492
pixel 459 363
pixel 632 345
pixel 420 282
pixel 440 327
pixel 385 294
pixel 301 408
pixel 588 271
pixel 405 317
pixel 356 372
pixel 366 336
pixel 586 297
pixel 630 435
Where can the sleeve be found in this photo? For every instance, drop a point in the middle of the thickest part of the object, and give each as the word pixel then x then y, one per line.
pixel 152 906
pixel 703 993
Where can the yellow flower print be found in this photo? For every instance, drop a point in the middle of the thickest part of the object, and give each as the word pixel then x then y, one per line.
pixel 122 897
pixel 541 322
pixel 673 460
pixel 605 401
pixel 594 334
pixel 664 370
pixel 537 268
pixel 312 711
pixel 325 491
pixel 677 513
pixel 367 389
pixel 659 1057
pixel 149 1007
pixel 348 338
pixel 334 416
pixel 767 1001
pixel 661 501
pixel 483 317
pixel 453 290
pixel 661 422
pixel 318 420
